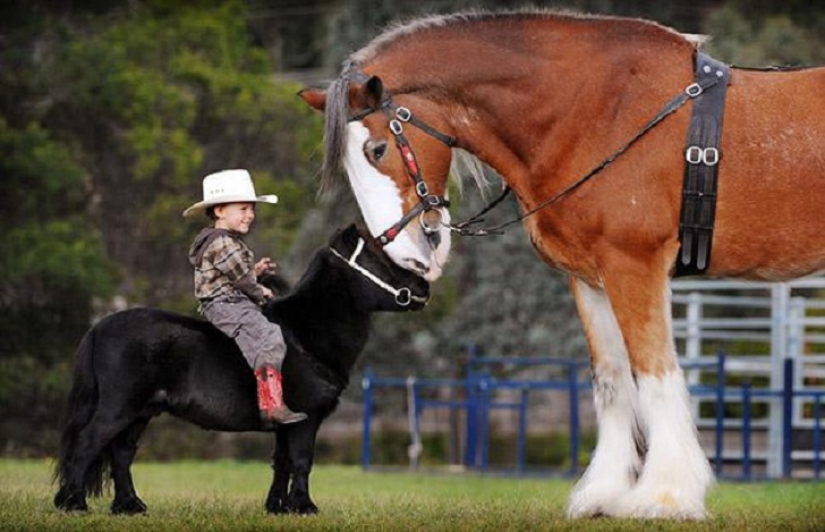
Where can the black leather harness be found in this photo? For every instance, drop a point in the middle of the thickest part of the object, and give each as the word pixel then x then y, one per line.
pixel 702 158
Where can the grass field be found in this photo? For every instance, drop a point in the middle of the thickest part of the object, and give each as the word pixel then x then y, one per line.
pixel 196 496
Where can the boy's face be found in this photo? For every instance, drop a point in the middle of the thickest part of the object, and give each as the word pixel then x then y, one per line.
pixel 235 216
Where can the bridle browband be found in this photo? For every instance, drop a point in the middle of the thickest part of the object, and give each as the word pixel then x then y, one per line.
pixel 403 296
pixel 429 202
pixel 398 116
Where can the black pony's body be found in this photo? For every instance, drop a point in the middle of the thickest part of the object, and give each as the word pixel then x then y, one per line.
pixel 139 363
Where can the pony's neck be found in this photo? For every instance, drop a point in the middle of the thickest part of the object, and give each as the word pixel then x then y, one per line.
pixel 536 96
pixel 322 316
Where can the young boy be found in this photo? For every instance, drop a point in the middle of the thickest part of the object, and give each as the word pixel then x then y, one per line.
pixel 226 284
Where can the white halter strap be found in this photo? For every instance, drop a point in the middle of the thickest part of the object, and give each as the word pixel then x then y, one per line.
pixel 403 296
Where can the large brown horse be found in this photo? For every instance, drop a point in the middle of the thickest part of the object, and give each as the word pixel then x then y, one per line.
pixel 544 98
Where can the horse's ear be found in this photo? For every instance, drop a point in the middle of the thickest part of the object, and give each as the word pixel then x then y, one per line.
pixel 372 93
pixel 316 98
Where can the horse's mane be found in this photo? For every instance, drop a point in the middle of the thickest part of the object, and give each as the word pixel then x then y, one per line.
pixel 410 27
pixel 337 110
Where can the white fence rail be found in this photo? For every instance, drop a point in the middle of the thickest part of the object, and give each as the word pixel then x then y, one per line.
pixel 758 325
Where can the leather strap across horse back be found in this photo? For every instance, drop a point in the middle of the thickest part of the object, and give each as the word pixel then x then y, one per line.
pixel 701 167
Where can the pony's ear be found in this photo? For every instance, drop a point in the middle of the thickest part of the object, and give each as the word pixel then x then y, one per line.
pixel 372 93
pixel 316 98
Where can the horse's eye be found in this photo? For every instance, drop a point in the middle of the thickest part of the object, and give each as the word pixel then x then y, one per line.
pixel 375 150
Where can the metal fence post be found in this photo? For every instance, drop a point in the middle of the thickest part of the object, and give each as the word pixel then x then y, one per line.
pixel 780 295
pixel 573 382
pixel 484 422
pixel 817 434
pixel 366 385
pixel 522 430
pixel 787 418
pixel 719 429
pixel 746 431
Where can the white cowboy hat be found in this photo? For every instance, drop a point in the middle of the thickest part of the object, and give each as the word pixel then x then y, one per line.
pixel 228 186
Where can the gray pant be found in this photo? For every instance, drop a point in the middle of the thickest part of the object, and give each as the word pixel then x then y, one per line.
pixel 260 340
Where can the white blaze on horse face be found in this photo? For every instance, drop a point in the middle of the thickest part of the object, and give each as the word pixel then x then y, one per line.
pixel 380 202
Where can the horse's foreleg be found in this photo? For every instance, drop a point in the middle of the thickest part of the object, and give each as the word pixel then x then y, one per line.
pixel 616 462
pixel 676 473
pixel 276 500
pixel 124 447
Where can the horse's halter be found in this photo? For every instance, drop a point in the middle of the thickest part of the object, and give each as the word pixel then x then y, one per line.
pixel 398 116
pixel 403 296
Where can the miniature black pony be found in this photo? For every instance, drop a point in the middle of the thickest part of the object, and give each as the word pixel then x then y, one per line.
pixel 136 364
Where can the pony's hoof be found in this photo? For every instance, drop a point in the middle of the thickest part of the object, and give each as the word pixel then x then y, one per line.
pixel 276 506
pixel 306 507
pixel 70 502
pixel 131 506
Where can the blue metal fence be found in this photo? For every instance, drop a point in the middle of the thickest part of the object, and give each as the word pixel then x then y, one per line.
pixel 478 389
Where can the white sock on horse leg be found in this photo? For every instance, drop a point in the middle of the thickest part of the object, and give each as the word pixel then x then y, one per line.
pixel 676 473
pixel 616 462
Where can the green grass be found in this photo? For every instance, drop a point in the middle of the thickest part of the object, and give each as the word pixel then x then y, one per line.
pixel 229 496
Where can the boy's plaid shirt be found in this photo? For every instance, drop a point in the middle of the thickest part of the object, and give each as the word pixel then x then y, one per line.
pixel 227 269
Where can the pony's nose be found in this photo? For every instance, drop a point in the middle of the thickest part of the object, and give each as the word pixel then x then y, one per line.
pixel 434 238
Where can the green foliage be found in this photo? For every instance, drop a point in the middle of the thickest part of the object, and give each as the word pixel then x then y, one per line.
pixel 115 119
pixel 752 34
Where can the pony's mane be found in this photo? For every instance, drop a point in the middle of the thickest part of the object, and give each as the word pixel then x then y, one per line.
pixel 337 110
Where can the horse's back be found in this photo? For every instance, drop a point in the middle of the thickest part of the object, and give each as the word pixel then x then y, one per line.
pixel 772 175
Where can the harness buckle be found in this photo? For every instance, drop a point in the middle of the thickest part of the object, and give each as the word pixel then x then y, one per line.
pixel 403 114
pixel 707 156
pixel 421 189
pixel 693 90
pixel 396 127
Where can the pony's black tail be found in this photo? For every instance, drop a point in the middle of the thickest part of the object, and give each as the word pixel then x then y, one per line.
pixel 82 404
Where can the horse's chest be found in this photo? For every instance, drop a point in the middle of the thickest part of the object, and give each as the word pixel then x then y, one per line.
pixel 560 251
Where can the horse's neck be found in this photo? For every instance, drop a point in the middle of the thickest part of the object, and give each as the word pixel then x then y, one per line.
pixel 531 103
pixel 322 317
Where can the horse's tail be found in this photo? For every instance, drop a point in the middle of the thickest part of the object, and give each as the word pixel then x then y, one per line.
pixel 82 404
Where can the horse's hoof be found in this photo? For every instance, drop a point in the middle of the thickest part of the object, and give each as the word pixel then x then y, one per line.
pixel 131 506
pixel 69 502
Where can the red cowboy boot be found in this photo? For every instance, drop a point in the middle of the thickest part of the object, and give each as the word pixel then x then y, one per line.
pixel 271 398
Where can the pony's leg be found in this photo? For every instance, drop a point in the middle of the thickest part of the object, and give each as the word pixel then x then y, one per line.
pixel 676 473
pixel 301 456
pixel 616 462
pixel 88 461
pixel 276 500
pixel 124 447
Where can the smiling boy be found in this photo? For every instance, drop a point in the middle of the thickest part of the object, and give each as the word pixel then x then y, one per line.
pixel 226 284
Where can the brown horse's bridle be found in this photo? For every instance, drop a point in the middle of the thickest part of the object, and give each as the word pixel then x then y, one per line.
pixel 397 117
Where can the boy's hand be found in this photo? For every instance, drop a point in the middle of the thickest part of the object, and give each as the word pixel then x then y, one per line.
pixel 267 292
pixel 265 265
